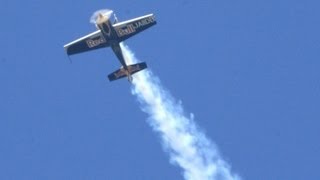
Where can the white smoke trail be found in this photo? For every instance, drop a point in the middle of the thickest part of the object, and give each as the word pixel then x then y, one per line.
pixel 187 146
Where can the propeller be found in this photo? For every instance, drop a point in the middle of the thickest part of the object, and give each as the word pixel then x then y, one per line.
pixel 100 15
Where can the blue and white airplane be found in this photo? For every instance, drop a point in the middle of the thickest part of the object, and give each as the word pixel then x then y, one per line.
pixel 110 35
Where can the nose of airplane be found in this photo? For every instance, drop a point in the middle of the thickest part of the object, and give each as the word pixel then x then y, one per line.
pixel 100 18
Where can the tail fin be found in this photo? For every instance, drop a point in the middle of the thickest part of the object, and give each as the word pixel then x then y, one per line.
pixel 131 69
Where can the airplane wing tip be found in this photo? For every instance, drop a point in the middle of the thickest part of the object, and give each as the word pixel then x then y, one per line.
pixel 65 47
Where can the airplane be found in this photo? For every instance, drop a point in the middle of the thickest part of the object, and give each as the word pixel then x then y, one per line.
pixel 111 35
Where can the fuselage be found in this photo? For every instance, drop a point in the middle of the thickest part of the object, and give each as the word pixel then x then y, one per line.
pixel 105 25
pixel 110 34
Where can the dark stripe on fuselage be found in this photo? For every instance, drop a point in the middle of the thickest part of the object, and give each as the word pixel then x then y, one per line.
pixel 111 36
pixel 105 28
pixel 108 32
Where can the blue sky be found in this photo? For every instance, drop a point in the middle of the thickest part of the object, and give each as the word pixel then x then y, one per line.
pixel 248 70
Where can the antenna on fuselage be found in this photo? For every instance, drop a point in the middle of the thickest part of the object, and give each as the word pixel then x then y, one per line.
pixel 115 18
pixel 69 59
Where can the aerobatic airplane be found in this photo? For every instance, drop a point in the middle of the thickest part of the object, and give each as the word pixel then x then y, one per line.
pixel 110 35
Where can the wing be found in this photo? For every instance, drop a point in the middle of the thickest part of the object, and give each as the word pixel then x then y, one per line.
pixel 132 27
pixel 89 42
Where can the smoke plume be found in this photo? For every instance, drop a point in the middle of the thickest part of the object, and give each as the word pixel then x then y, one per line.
pixel 187 146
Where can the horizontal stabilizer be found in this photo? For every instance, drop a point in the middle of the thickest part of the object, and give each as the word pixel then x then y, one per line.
pixel 131 69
